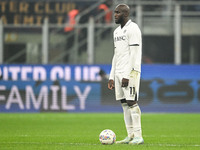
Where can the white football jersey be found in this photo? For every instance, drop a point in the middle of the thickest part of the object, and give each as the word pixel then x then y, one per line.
pixel 126 39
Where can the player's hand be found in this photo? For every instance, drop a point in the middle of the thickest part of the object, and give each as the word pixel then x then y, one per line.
pixel 111 84
pixel 125 82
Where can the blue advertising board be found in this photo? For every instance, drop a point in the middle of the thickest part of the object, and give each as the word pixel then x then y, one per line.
pixel 81 88
pixel 171 88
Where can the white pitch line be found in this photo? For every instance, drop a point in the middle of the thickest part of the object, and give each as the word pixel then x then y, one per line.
pixel 38 143
pixel 51 135
pixel 171 136
pixel 89 144
pixel 174 145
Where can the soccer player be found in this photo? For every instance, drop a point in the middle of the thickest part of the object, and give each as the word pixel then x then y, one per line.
pixel 125 72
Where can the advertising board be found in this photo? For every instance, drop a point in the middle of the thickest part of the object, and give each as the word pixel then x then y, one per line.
pixel 81 88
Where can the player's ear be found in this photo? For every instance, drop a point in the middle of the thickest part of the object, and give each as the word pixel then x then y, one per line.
pixel 126 14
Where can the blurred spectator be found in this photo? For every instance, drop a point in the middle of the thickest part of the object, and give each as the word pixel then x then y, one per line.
pixel 103 75
pixel 71 20
pixel 107 96
pixel 108 13
pixel 69 28
pixel 104 10
pixel 84 18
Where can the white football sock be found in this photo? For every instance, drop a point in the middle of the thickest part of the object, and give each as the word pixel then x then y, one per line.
pixel 136 118
pixel 128 120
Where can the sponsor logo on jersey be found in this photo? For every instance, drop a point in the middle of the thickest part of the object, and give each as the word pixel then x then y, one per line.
pixel 119 38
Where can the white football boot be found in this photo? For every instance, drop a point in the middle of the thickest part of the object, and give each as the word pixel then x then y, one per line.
pixel 124 141
pixel 137 141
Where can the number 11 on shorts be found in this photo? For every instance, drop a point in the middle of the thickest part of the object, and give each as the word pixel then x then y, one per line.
pixel 132 91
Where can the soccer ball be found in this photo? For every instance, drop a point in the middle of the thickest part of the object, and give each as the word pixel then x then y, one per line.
pixel 107 137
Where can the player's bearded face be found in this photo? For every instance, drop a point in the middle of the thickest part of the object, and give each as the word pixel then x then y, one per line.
pixel 118 15
pixel 118 19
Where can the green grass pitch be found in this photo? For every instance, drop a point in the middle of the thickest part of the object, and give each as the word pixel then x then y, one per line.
pixel 74 131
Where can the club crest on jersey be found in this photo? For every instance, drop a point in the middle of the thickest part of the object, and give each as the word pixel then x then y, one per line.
pixel 120 38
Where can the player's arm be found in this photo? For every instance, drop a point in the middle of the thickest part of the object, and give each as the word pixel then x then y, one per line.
pixel 128 69
pixel 112 74
pixel 134 42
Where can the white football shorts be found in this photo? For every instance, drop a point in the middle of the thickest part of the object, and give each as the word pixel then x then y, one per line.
pixel 131 92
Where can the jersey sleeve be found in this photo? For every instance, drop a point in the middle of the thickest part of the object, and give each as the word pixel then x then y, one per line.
pixel 134 36
pixel 134 41
pixel 129 66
